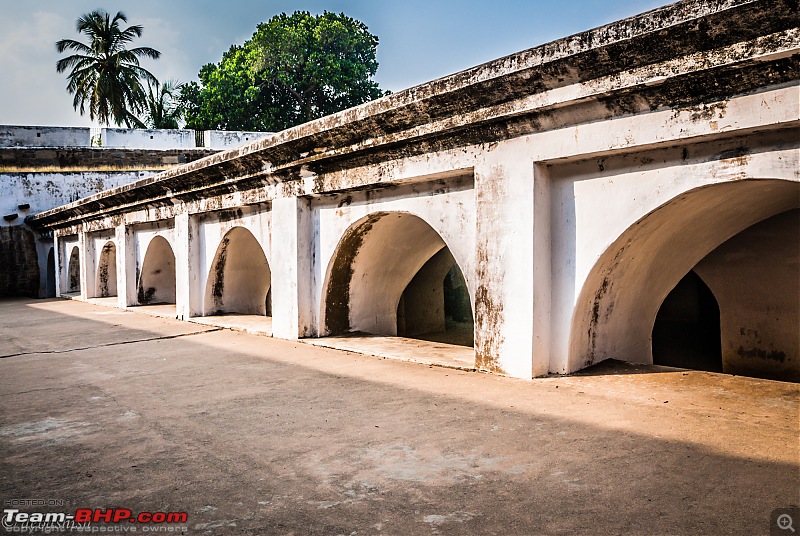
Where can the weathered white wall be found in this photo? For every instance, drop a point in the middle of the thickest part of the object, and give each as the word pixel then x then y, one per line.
pixel 44 191
pixel 504 298
pixel 107 271
pixel 155 265
pixel 611 270
pixel 148 138
pixel 35 136
pixel 420 219
pixel 212 228
pixel 69 277
pixel 755 277
pixel 597 196
pixel 223 139
pixel 102 275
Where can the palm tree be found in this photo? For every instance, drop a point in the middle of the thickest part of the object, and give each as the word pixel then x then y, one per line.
pixel 162 109
pixel 105 76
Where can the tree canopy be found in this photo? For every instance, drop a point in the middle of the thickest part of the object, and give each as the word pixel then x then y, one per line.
pixel 105 76
pixel 294 69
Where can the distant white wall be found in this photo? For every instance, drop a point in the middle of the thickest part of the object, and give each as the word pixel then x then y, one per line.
pixel 43 191
pixel 33 136
pixel 221 139
pixel 147 138
pixel 122 138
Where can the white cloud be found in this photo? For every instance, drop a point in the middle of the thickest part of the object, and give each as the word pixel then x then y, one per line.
pixel 31 91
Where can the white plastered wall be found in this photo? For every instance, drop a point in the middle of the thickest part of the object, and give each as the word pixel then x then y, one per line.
pixel 143 236
pixel 212 228
pixel 65 246
pixel 599 208
pixel 96 241
pixel 449 217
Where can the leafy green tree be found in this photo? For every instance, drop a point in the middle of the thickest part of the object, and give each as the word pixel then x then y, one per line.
pixel 104 75
pixel 294 69
pixel 228 96
pixel 162 106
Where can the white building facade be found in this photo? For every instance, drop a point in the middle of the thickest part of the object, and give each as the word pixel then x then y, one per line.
pixel 631 193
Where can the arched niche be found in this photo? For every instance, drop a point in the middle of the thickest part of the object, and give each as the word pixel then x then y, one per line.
pixel 106 280
pixel 374 267
pixel 157 277
pixel 616 309
pixel 74 271
pixel 240 278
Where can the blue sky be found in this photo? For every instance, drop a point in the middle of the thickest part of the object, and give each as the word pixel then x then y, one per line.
pixel 420 40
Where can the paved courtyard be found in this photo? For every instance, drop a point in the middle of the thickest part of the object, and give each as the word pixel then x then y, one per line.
pixel 105 408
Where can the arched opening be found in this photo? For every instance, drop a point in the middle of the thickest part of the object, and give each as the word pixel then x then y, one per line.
pixel 50 286
pixel 616 310
pixel 74 271
pixel 392 274
pixel 239 279
pixel 106 283
pixel 686 332
pixel 157 279
pixel 435 304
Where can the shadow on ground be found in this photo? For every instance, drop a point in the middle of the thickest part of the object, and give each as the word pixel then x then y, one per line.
pixel 253 435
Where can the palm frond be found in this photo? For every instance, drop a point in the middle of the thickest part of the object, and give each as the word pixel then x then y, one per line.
pixel 104 76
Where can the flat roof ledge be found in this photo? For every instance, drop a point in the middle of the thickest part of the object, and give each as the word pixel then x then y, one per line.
pixel 500 95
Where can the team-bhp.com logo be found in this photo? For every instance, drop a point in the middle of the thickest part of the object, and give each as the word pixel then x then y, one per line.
pixel 90 520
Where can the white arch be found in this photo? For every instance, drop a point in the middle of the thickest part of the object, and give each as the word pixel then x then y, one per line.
pixel 157 278
pixel 372 264
pixel 74 270
pixel 239 278
pixel 106 280
pixel 618 302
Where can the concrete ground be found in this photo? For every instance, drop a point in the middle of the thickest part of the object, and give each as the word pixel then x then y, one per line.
pixel 253 435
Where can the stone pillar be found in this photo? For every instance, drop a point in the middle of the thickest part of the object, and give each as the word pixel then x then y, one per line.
pixel 504 297
pixel 87 264
pixel 58 260
pixel 188 286
pixel 126 266
pixel 542 274
pixel 292 238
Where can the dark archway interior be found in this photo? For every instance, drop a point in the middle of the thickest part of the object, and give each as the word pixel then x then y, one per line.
pixel 50 289
pixel 686 333
pixel 74 271
pixel 435 304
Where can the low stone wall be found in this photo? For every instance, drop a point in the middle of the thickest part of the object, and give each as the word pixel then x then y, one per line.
pixel 36 136
pixel 148 138
pixel 88 158
pixel 222 139
pixel 122 138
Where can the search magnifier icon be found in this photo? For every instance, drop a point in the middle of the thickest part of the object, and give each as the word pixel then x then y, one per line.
pixel 785 522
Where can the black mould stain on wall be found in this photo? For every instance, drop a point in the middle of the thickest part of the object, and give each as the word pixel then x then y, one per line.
pixel 19 267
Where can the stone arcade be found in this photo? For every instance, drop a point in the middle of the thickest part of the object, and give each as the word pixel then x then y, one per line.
pixel 630 192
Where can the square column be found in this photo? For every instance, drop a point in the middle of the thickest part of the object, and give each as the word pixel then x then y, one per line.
pixel 188 286
pixel 505 297
pixel 292 240
pixel 57 257
pixel 87 262
pixel 126 266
